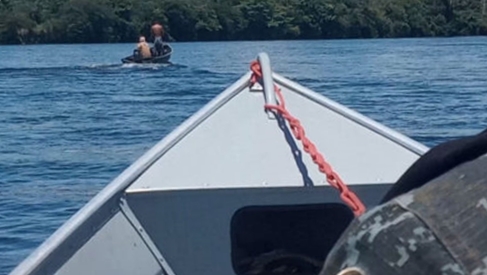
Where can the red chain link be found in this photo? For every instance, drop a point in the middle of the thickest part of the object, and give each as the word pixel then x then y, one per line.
pixel 348 196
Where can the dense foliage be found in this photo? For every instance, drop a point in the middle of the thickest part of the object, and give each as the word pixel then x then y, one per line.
pixel 92 21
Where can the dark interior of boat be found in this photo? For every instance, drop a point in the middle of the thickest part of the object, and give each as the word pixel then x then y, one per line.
pixel 287 239
pixel 164 50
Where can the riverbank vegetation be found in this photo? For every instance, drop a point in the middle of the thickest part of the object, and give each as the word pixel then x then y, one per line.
pixel 100 21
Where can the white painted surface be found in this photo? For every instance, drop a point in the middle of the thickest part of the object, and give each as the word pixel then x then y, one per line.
pixel 239 146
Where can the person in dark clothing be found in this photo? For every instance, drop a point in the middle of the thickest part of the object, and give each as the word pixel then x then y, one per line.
pixel 158 32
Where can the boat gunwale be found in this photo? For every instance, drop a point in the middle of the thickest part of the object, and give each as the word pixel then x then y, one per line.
pixel 39 256
pixel 355 116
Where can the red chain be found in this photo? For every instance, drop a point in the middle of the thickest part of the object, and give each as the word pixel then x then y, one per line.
pixel 348 196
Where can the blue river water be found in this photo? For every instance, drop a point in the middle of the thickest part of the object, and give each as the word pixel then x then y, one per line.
pixel 72 117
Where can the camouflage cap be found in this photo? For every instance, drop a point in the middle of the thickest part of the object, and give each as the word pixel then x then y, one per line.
pixel 439 228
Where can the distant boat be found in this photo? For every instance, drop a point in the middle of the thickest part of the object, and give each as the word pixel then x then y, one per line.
pixel 163 58
pixel 232 191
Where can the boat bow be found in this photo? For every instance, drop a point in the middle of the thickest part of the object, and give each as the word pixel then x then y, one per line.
pixel 171 211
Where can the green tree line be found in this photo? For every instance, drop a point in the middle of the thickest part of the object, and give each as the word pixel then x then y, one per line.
pixel 101 21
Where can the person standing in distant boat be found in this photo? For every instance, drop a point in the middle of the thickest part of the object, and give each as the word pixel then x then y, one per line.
pixel 158 31
pixel 143 48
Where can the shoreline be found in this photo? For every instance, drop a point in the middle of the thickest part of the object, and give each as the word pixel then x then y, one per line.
pixel 261 40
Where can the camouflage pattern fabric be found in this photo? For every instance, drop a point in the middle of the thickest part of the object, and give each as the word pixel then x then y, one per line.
pixel 439 228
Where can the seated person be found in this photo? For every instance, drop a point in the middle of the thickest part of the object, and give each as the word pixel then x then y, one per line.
pixel 143 48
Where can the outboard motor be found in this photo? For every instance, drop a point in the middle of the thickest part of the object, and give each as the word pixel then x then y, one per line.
pixel 153 51
pixel 159 48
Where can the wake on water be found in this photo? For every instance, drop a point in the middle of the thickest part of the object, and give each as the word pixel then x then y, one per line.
pixel 93 67
pixel 148 65
pixel 113 69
